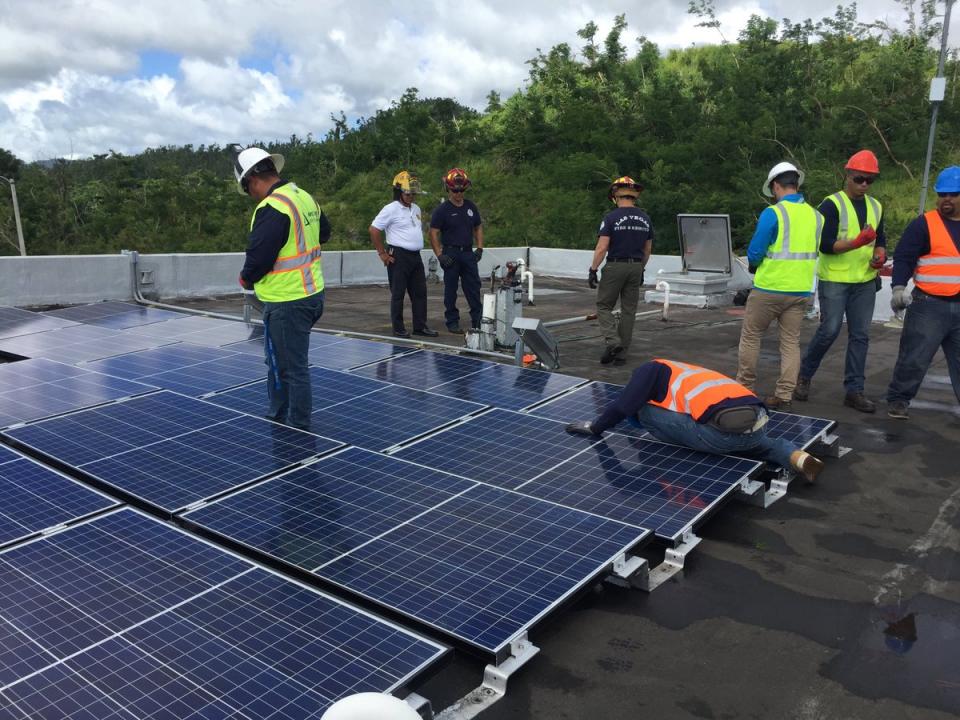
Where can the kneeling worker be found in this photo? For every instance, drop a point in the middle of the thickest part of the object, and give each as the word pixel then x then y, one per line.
pixel 701 409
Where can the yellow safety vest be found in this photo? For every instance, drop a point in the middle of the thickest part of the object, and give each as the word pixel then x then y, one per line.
pixel 852 266
pixel 297 272
pixel 791 261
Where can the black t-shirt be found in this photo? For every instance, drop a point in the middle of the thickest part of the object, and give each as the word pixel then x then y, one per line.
pixel 456 224
pixel 628 228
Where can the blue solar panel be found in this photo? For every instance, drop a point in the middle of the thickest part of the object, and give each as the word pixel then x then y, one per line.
pixel 126 617
pixel 188 369
pixel 312 515
pixel 8 456
pixel 329 388
pixel 34 499
pixel 199 330
pixel 499 447
pixel 14 322
pixel 509 387
pixel 643 482
pixel 477 562
pixel 388 417
pixel 34 389
pixel 588 402
pixel 255 346
pixel 115 315
pixel 80 343
pixel 422 370
pixel 169 450
pixel 350 352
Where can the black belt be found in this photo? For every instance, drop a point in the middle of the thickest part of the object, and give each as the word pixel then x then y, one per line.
pixel 395 247
pixel 633 260
pixel 458 247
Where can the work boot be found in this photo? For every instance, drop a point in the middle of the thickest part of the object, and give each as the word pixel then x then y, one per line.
pixel 426 332
pixel 898 410
pixel 455 329
pixel 802 390
pixel 859 401
pixel 775 403
pixel 806 464
pixel 401 333
pixel 610 354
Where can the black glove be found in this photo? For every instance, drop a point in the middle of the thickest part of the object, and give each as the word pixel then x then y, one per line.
pixel 581 427
pixel 477 254
pixel 752 269
pixel 446 261
pixel 592 279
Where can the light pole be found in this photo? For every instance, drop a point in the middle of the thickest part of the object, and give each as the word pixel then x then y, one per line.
pixel 938 88
pixel 16 214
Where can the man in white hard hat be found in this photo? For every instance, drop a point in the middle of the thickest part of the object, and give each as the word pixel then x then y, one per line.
pixel 783 256
pixel 400 220
pixel 283 268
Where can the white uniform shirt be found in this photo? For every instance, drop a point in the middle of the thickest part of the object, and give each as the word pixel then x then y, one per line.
pixel 401 224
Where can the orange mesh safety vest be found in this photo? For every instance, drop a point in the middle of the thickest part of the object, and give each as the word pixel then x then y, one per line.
pixel 938 272
pixel 694 390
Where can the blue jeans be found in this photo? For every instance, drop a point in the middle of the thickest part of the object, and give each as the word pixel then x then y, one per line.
pixel 287 327
pixel 855 300
pixel 681 429
pixel 930 323
pixel 463 272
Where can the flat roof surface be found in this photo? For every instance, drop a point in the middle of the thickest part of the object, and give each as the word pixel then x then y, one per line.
pixel 842 600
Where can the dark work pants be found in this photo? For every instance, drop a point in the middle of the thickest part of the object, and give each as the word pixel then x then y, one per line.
pixel 931 323
pixel 287 325
pixel 406 276
pixel 465 273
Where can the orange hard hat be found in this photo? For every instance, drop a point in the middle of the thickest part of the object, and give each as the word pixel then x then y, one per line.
pixel 863 161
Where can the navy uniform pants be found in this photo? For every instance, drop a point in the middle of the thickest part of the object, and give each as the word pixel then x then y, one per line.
pixel 463 272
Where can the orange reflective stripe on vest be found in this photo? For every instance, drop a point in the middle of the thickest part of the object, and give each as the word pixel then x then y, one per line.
pixel 693 390
pixel 938 272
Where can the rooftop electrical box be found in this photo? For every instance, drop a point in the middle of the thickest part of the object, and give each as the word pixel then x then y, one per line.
pixel 705 243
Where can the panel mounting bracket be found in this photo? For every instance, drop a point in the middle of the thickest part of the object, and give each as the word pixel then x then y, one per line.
pixel 829 446
pixel 755 492
pixel 643 577
pixel 494 685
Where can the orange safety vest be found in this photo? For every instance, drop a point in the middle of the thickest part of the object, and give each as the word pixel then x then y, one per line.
pixel 694 390
pixel 938 272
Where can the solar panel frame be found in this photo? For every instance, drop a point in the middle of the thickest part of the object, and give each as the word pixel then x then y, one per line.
pixel 199 451
pixel 381 497
pixel 192 637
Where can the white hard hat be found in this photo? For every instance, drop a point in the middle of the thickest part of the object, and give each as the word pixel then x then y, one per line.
pixel 370 706
pixel 247 159
pixel 779 169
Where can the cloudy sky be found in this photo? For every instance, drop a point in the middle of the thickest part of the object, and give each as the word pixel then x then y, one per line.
pixel 79 78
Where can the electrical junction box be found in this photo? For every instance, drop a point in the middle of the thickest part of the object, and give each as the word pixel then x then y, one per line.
pixel 938 89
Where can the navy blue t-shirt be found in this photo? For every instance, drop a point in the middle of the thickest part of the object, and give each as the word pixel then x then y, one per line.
pixel 456 224
pixel 628 228
pixel 914 244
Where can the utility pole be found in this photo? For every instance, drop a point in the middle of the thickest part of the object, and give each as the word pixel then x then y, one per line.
pixel 938 88
pixel 16 214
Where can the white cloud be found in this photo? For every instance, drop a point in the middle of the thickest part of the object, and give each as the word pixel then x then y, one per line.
pixel 68 69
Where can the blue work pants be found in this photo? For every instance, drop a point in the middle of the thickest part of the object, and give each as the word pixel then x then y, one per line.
pixel 465 273
pixel 681 429
pixel 287 326
pixel 930 323
pixel 855 300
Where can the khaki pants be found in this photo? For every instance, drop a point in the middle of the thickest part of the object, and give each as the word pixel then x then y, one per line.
pixel 620 281
pixel 762 309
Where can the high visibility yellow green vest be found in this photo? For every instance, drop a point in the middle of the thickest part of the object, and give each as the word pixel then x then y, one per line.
pixel 852 266
pixel 791 261
pixel 297 272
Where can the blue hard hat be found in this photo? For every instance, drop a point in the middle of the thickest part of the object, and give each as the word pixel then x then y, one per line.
pixel 948 180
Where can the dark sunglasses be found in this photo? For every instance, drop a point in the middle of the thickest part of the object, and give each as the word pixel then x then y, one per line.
pixel 861 179
pixel 457 190
pixel 948 194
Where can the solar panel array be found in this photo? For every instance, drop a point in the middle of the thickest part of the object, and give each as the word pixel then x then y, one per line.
pixel 169 450
pixel 479 563
pixel 125 617
pixel 451 508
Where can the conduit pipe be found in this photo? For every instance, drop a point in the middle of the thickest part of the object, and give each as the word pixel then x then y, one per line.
pixel 664 287
pixel 526 276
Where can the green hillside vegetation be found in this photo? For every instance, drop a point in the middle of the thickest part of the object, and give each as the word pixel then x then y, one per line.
pixel 700 127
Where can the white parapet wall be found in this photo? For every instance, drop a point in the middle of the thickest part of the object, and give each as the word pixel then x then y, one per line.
pixel 71 279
